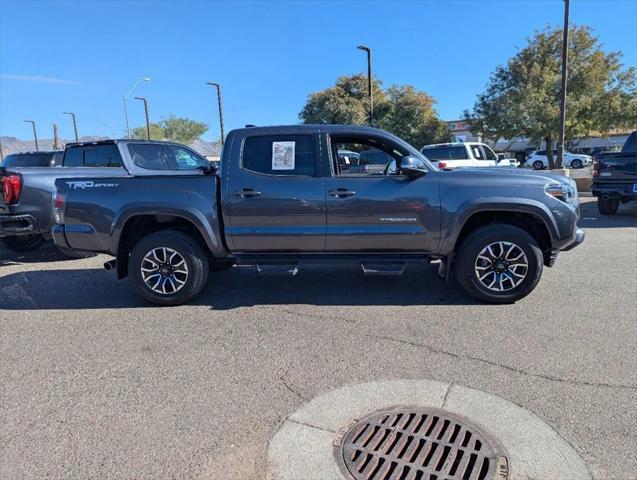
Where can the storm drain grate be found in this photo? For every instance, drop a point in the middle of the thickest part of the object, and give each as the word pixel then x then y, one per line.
pixel 406 443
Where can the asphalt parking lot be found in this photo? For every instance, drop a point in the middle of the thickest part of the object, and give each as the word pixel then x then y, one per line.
pixel 98 384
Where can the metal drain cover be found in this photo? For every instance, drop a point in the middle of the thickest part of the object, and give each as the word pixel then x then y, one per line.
pixel 405 443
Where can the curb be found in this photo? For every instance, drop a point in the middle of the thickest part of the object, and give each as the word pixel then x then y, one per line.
pixel 303 447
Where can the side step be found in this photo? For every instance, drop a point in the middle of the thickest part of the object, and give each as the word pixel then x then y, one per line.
pixel 277 269
pixel 384 268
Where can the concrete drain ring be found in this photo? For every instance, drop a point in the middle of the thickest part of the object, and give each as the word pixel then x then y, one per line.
pixel 305 446
pixel 418 443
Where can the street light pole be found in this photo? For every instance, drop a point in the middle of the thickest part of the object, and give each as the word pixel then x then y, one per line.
pixel 74 123
pixel 220 108
pixel 560 145
pixel 143 99
pixel 141 79
pixel 35 135
pixel 369 81
pixel 55 136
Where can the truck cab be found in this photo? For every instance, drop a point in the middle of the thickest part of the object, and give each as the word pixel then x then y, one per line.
pixel 464 154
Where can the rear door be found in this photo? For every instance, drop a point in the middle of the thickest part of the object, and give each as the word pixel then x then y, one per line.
pixel 369 212
pixel 274 194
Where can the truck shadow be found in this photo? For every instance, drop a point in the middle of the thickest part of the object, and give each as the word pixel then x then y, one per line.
pixel 625 217
pixel 238 287
pixel 46 253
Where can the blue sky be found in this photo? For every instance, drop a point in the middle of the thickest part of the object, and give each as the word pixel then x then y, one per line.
pixel 82 56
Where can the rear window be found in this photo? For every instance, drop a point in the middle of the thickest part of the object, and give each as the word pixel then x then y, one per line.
pixel 155 156
pixel 445 153
pixel 93 156
pixel 280 155
pixel 27 160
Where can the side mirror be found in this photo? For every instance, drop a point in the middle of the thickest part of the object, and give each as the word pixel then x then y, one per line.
pixel 413 167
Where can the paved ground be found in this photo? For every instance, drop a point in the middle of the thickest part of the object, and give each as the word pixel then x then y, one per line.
pixel 95 383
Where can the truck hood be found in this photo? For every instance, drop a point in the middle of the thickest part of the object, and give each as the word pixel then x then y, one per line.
pixel 506 176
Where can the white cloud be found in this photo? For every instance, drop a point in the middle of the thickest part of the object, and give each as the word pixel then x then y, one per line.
pixel 38 78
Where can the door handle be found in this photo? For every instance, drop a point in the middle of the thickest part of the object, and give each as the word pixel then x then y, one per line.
pixel 341 193
pixel 248 192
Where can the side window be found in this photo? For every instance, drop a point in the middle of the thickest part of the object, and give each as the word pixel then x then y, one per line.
pixel 102 156
pixel 149 156
pixel 280 155
pixel 488 153
pixel 185 159
pixel 363 156
pixel 477 152
pixel 74 157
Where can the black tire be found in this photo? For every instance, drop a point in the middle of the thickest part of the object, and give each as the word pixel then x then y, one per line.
pixel 194 255
pixel 217 265
pixel 538 165
pixel 70 253
pixel 607 206
pixel 577 163
pixel 24 243
pixel 482 237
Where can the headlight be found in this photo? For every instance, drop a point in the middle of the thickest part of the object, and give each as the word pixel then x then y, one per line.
pixel 565 193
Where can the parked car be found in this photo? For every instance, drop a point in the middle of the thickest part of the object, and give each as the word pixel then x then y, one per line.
pixel 371 161
pixel 33 159
pixel 347 159
pixel 538 160
pixel 464 154
pixel 279 203
pixel 615 177
pixel 28 183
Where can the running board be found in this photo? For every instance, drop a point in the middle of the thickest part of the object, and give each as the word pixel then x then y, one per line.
pixel 277 269
pixel 389 269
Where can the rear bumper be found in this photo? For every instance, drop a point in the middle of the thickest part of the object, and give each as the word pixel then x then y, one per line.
pixel 24 224
pixel 57 232
pixel 623 190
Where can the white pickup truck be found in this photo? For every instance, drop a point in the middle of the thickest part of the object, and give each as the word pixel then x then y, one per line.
pixel 464 154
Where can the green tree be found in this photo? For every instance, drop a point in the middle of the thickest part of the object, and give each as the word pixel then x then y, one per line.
pixel 522 97
pixel 402 110
pixel 175 129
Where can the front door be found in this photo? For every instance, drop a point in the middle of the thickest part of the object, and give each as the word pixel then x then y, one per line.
pixel 274 196
pixel 379 212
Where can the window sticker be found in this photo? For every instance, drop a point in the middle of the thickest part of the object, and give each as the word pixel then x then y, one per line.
pixel 283 155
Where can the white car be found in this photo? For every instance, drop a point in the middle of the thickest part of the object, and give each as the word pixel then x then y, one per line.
pixel 538 160
pixel 464 154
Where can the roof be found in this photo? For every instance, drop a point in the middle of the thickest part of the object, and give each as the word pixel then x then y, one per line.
pixel 35 152
pixel 121 140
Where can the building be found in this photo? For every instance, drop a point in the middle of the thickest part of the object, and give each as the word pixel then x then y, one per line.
pixel 460 132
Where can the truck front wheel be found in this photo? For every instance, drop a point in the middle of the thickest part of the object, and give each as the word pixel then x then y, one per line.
pixel 168 268
pixel 607 206
pixel 499 263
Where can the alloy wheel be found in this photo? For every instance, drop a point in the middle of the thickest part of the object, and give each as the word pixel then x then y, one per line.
pixel 501 266
pixel 164 270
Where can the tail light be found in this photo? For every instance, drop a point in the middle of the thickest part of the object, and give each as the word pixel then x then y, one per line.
pixel 442 164
pixel 11 188
pixel 596 168
pixel 58 208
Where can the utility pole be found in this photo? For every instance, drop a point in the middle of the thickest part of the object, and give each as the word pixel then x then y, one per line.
pixel 141 79
pixel 35 135
pixel 220 108
pixel 74 123
pixel 560 144
pixel 369 82
pixel 143 99
pixel 55 136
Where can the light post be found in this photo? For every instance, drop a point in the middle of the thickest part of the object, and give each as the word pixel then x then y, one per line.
pixel 35 135
pixel 143 99
pixel 141 79
pixel 74 123
pixel 369 81
pixel 220 108
pixel 56 144
pixel 560 145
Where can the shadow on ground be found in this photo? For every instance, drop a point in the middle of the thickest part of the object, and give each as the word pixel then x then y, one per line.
pixel 46 253
pixel 237 287
pixel 625 217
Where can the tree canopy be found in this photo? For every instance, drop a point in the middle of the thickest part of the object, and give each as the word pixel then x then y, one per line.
pixel 522 97
pixel 402 110
pixel 175 129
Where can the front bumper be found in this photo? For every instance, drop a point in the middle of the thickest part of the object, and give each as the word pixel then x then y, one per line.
pixel 579 238
pixel 24 224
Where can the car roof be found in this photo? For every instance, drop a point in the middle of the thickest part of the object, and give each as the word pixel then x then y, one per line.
pixel 448 144
pixel 36 152
pixel 122 140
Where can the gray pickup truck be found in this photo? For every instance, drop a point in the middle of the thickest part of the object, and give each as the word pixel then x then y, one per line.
pixel 280 201
pixel 28 184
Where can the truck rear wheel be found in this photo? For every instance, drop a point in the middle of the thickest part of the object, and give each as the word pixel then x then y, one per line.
pixel 499 263
pixel 168 268
pixel 607 206
pixel 24 243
